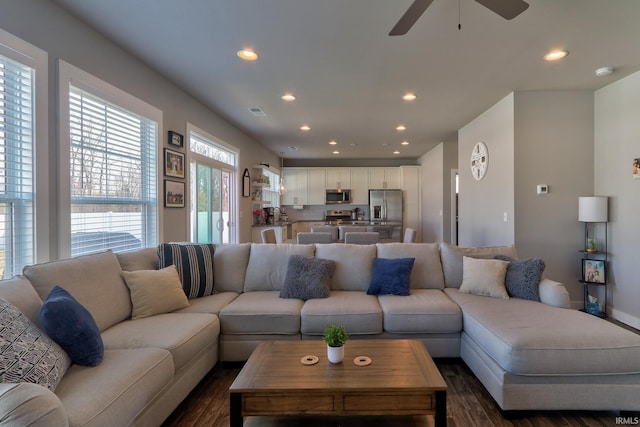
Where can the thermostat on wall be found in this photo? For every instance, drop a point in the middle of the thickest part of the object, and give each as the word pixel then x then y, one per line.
pixel 543 189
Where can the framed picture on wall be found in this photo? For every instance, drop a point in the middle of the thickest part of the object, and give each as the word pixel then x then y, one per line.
pixel 176 139
pixel 173 194
pixel 173 163
pixel 594 271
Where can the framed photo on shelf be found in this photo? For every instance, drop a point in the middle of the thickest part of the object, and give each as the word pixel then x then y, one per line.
pixel 594 271
pixel 173 163
pixel 173 194
pixel 176 139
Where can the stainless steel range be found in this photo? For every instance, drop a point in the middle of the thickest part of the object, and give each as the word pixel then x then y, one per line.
pixel 335 217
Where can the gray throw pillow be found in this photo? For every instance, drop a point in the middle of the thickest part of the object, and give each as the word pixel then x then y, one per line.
pixel 307 278
pixel 523 277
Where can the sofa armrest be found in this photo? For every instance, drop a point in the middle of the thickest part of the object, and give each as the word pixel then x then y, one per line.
pixel 26 404
pixel 553 293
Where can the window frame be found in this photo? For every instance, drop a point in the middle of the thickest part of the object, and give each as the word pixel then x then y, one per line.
pixel 71 75
pixel 37 59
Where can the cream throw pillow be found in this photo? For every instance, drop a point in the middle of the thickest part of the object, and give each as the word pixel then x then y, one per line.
pixel 155 291
pixel 484 277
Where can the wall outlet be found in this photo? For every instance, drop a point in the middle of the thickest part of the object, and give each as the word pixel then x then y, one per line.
pixel 543 189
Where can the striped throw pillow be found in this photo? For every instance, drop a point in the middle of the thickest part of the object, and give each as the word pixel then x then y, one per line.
pixel 194 264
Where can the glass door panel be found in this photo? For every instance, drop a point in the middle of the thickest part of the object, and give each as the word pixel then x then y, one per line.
pixel 210 210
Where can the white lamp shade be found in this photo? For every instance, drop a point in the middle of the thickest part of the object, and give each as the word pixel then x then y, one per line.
pixel 592 209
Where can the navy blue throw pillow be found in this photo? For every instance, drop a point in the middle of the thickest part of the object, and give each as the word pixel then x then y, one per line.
pixel 391 276
pixel 71 325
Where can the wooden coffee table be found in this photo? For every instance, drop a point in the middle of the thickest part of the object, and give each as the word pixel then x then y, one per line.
pixel 401 380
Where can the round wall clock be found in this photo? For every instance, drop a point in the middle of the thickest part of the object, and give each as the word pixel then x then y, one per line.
pixel 479 160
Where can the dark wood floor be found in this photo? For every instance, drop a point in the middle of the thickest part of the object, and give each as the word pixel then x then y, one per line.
pixel 468 404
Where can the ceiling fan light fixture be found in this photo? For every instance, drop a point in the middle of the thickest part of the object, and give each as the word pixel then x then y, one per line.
pixel 247 54
pixel 556 55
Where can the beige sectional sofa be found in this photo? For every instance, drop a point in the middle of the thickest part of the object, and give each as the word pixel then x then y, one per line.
pixel 529 355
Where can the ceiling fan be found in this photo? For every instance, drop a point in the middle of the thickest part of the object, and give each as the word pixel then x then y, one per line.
pixel 508 9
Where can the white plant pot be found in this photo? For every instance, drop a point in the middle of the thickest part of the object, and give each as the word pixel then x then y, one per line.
pixel 335 354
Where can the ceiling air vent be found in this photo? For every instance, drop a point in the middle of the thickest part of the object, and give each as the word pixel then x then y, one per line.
pixel 258 112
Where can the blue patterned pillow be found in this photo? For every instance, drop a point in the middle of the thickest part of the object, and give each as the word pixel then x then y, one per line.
pixel 194 264
pixel 391 276
pixel 71 325
pixel 27 354
pixel 523 277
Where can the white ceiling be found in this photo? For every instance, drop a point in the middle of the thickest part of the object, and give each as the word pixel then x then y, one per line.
pixel 349 75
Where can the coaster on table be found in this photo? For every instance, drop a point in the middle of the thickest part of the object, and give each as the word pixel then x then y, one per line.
pixel 362 360
pixel 309 360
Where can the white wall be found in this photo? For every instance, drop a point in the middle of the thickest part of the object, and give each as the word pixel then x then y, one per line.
pixel 483 203
pixel 553 146
pixel 431 176
pixel 52 29
pixel 617 143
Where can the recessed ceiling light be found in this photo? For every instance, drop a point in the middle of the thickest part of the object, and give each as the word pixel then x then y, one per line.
pixel 332 143
pixel 305 128
pixel 336 152
pixel 247 55
pixel 555 55
pixel 288 97
pixel 409 96
pixel 401 128
pixel 404 143
pixel 396 152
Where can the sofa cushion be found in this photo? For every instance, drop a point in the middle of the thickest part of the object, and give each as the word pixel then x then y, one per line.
pixel 194 264
pixel 230 266
pixel 427 268
pixel 358 312
pixel 155 291
pixel 354 265
pixel 140 259
pixel 184 335
pixel 451 258
pixel 307 278
pixel 211 304
pixel 523 277
pixel 268 264
pixel 530 338
pixel 484 277
pixel 391 276
pixel 425 311
pixel 19 292
pixel 26 353
pixel 94 280
pixel 72 327
pixel 26 404
pixel 116 391
pixel 261 312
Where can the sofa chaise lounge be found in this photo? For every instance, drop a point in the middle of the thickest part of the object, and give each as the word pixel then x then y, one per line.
pixel 528 354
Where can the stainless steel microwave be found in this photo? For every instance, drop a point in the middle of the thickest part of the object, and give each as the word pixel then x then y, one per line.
pixel 336 197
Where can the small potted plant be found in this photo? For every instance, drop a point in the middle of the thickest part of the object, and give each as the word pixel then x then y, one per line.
pixel 335 336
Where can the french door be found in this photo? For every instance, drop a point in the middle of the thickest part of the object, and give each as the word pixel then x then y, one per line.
pixel 211 210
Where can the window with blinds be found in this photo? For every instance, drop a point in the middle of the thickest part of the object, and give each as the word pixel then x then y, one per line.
pixel 113 160
pixel 17 129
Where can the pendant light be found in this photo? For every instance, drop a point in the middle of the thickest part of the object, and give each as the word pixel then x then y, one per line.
pixel 283 187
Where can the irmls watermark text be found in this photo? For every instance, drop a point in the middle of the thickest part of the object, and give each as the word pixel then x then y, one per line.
pixel 628 421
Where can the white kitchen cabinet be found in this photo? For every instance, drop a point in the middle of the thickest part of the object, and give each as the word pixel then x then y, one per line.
pixel 296 182
pixel 315 186
pixel 338 178
pixel 383 178
pixel 359 186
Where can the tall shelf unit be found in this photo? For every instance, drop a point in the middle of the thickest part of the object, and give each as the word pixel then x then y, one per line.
pixel 257 187
pixel 593 211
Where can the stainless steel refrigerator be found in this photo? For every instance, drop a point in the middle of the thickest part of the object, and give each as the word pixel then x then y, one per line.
pixel 385 209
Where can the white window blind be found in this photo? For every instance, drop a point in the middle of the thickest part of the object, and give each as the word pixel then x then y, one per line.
pixel 113 176
pixel 17 103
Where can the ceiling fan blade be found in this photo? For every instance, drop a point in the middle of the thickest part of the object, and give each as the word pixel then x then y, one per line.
pixel 410 17
pixel 508 9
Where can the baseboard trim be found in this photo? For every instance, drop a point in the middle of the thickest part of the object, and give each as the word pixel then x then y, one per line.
pixel 625 318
